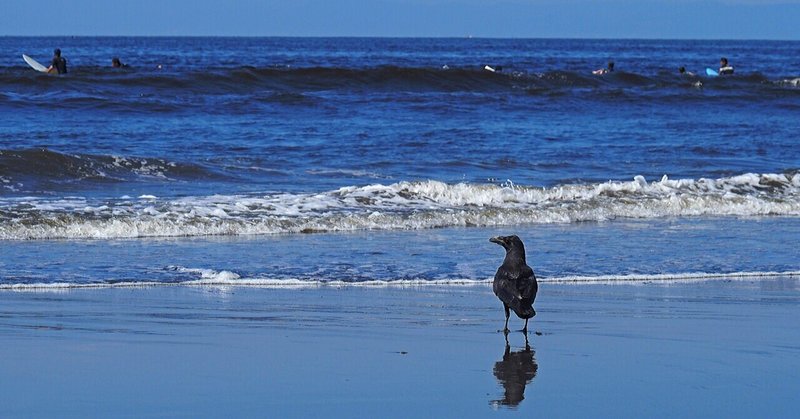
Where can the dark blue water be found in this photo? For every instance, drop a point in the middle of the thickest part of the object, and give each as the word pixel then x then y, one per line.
pixel 253 137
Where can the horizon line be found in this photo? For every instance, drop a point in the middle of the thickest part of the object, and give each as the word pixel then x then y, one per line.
pixel 412 37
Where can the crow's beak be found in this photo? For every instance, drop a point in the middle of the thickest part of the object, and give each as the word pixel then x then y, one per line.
pixel 496 240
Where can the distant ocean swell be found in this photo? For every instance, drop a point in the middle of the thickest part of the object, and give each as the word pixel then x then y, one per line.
pixel 211 278
pixel 398 206
pixel 389 78
pixel 19 167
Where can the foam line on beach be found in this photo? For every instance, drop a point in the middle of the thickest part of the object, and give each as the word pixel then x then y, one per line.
pixel 677 277
pixel 211 278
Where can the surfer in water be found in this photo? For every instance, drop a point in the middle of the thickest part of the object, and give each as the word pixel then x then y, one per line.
pixel 59 63
pixel 116 63
pixel 609 69
pixel 724 67
pixel 683 72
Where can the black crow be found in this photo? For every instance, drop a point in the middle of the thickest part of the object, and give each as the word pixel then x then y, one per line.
pixel 514 283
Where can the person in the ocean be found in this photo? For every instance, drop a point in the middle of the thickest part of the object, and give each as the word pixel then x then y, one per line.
pixel 683 72
pixel 606 70
pixel 116 63
pixel 59 63
pixel 724 67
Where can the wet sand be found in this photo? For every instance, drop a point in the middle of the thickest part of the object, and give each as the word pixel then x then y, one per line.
pixel 703 349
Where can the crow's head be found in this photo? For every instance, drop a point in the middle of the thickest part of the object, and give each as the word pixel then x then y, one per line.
pixel 508 242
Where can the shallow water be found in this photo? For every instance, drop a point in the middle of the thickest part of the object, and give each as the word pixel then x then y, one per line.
pixel 631 251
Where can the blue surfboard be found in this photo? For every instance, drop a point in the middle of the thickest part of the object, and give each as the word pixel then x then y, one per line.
pixel 711 72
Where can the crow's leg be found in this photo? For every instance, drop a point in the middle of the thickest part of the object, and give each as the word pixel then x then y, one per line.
pixel 525 329
pixel 508 313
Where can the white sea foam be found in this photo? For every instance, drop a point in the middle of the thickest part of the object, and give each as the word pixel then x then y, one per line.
pixel 212 278
pixel 8 184
pixel 347 173
pixel 675 277
pixel 142 167
pixel 400 206
pixel 790 82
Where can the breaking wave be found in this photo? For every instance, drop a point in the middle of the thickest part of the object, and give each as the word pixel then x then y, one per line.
pixel 398 206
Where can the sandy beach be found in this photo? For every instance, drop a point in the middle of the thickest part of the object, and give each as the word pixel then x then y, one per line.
pixel 721 348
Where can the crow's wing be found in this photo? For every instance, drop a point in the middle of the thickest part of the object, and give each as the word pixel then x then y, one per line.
pixel 516 287
pixel 527 285
pixel 506 290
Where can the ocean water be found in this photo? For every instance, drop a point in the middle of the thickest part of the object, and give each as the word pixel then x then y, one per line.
pixel 352 161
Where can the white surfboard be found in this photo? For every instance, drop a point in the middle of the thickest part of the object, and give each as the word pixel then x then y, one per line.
pixel 34 64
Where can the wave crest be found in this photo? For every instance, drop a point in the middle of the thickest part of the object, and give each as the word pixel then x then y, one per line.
pixel 246 79
pixel 399 206
pixel 43 167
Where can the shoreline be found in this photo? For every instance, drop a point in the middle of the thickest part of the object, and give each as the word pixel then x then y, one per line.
pixel 232 280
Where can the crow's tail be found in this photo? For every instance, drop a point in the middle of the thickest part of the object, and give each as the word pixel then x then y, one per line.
pixel 524 311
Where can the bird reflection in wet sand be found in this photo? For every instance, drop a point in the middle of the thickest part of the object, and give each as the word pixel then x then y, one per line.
pixel 515 371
